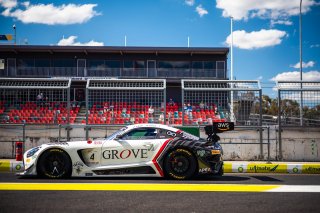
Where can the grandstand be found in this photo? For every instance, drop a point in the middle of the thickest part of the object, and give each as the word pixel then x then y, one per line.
pixel 119 86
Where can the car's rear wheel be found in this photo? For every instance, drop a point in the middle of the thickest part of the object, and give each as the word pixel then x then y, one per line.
pixel 180 164
pixel 221 171
pixel 54 163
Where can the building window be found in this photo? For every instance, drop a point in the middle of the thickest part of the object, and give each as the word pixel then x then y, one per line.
pixel 198 65
pixel 96 64
pixel 64 63
pixel 112 64
pixel 42 62
pixel 174 65
pixel 26 62
pixel 209 65
pixel 221 69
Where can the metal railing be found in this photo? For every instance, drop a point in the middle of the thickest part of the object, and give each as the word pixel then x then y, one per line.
pixel 63 134
pixel 120 72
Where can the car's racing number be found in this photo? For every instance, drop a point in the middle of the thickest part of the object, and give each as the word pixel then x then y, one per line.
pixel 90 156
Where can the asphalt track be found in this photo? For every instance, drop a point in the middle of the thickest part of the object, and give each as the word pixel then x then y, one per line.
pixel 230 193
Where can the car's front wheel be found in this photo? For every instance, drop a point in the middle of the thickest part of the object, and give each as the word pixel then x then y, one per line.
pixel 180 164
pixel 54 163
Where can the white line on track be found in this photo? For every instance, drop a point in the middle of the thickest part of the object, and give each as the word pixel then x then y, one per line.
pixel 296 188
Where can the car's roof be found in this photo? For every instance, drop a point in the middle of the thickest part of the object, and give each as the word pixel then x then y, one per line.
pixel 153 126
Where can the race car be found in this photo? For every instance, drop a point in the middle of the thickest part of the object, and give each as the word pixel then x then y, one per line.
pixel 150 150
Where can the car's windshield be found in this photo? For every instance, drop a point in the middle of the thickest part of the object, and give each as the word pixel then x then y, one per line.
pixel 113 135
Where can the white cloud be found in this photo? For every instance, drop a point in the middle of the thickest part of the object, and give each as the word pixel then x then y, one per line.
pixel 189 2
pixel 284 22
pixel 8 3
pixel 51 14
pixel 201 11
pixel 295 76
pixel 256 39
pixel 304 65
pixel 314 45
pixel 71 41
pixel 260 78
pixel 272 9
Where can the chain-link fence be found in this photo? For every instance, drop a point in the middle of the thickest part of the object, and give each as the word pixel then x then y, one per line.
pixel 299 103
pixel 209 101
pixel 298 106
pixel 36 101
pixel 125 101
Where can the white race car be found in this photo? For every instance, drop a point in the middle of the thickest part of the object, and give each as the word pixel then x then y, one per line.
pixel 151 150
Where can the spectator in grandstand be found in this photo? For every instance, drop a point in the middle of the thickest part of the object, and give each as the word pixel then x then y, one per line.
pixel 161 118
pixel 185 108
pixel 150 111
pixel 132 120
pixel 105 108
pixel 171 102
pixel 39 98
pixel 55 116
pixel 201 105
pixel 46 100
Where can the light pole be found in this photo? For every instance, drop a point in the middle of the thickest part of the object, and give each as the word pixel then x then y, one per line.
pixel 231 71
pixel 300 39
pixel 15 34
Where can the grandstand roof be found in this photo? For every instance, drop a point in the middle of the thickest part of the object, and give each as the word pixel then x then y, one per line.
pixel 114 49
pixel 34 83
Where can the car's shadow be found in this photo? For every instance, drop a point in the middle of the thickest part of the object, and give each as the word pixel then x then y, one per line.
pixel 224 178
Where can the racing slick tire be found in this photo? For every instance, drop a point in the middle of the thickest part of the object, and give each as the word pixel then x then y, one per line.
pixel 221 171
pixel 55 164
pixel 180 164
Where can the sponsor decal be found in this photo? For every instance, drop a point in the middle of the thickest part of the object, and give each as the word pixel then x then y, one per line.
pixel 215 152
pixel 295 170
pixel 78 166
pixel 172 134
pixel 18 167
pixel 240 169
pixel 266 168
pixel 205 170
pixel 28 160
pixel 124 154
pixel 97 142
pixel 89 174
pixel 201 153
pixel 311 169
pixel 223 126
pixel 177 177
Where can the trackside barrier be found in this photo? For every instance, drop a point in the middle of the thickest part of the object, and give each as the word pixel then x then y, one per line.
pixel 11 166
pixel 258 167
pixel 229 167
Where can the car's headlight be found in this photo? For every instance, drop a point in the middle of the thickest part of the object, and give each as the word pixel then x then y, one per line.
pixel 32 151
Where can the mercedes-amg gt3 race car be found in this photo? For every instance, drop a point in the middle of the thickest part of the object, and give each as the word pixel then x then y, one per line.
pixel 150 150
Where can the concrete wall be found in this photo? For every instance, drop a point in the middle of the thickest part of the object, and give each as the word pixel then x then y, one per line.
pixel 299 144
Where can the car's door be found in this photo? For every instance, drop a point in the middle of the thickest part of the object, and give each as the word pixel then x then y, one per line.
pixel 135 146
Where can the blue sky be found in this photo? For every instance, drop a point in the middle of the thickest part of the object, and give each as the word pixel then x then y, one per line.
pixel 266 32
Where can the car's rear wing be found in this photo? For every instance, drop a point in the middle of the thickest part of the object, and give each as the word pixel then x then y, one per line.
pixel 219 127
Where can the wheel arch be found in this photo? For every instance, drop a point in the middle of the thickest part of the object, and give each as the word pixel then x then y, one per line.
pixel 47 149
pixel 180 147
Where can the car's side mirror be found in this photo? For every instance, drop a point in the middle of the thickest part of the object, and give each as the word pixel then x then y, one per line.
pixel 118 137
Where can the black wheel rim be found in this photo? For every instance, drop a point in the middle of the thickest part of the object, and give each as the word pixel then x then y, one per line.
pixel 55 165
pixel 179 164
